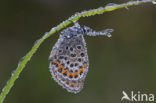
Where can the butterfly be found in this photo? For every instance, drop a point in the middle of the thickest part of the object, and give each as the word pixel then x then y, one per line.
pixel 69 58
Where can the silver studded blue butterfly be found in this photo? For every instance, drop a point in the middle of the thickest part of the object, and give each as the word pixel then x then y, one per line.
pixel 69 59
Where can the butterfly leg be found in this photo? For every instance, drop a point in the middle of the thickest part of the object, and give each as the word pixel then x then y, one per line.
pixel 90 32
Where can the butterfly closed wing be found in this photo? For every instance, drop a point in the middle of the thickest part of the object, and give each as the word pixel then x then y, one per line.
pixel 69 60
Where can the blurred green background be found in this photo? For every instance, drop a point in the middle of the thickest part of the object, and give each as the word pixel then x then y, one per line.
pixel 127 61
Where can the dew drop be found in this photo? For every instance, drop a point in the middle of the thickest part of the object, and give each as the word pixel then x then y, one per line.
pixel 111 4
pixel 53 29
pixel 100 9
pixel 126 7
pixel 108 32
pixel 109 35
pixel 154 1
pixel 144 0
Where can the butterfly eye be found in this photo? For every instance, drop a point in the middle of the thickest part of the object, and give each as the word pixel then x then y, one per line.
pixel 86 29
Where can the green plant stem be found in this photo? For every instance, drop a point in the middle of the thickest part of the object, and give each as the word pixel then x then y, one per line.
pixel 62 25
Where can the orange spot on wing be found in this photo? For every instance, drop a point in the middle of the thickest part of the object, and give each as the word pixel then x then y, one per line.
pixel 59 65
pixel 67 71
pixel 73 83
pixel 84 65
pixel 70 73
pixel 82 68
pixel 75 73
pixel 55 61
